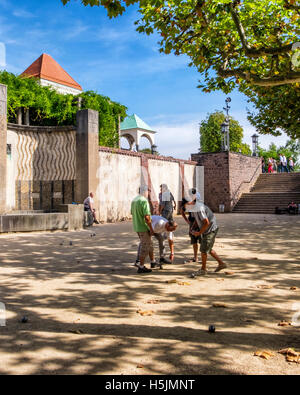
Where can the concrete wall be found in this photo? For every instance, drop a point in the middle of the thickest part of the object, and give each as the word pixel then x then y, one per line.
pixel 226 176
pixel 122 172
pixel 119 179
pixel 162 172
pixel 73 219
pixel 49 167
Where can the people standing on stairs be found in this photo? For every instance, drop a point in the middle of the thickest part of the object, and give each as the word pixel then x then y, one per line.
pixel 270 165
pixel 280 163
pixel 274 165
pixel 284 164
pixel 263 165
pixel 291 164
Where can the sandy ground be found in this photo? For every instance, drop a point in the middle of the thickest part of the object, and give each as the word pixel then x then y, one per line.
pixel 92 287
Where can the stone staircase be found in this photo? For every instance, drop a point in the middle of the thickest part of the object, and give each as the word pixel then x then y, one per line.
pixel 270 191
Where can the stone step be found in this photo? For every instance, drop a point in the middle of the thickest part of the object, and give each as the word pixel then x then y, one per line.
pixel 270 191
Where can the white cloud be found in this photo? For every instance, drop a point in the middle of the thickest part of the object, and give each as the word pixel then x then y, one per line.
pixel 179 141
pixel 19 13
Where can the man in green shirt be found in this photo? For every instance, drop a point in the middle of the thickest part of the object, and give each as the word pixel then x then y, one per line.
pixel 141 217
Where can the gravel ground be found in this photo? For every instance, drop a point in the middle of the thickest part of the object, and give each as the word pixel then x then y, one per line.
pixel 83 302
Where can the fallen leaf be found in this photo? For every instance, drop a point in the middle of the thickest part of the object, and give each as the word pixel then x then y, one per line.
pixel 295 359
pixel 247 320
pixel 219 279
pixel 289 351
pixel 171 281
pixel 145 313
pixel 293 288
pixel 229 273
pixel 265 354
pixel 153 301
pixel 183 283
pixel 222 305
pixel 284 323
pixel 76 331
pixel 264 286
pixel 140 366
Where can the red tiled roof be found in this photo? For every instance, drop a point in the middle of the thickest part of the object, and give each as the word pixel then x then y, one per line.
pixel 45 67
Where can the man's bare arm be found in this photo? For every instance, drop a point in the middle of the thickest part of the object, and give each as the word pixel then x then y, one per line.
pixel 204 227
pixel 149 223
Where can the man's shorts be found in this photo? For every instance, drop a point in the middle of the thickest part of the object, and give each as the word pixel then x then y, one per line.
pixel 167 215
pixel 195 239
pixel 208 241
pixel 146 244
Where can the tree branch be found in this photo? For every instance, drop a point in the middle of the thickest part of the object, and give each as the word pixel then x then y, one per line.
pixel 290 6
pixel 290 78
pixel 254 52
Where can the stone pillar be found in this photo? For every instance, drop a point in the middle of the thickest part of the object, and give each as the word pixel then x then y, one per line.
pixel 87 155
pixel 27 117
pixel 3 146
pixel 19 116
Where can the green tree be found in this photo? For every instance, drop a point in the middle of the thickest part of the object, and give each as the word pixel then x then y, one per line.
pixel 276 110
pixel 211 134
pixel 252 45
pixel 49 108
pixel 252 41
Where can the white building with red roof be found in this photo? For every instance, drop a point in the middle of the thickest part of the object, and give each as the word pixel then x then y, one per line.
pixel 50 73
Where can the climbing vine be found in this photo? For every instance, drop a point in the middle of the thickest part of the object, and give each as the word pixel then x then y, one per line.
pixel 49 108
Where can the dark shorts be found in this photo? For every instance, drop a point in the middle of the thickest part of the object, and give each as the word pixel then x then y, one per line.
pixel 208 241
pixel 168 215
pixel 195 239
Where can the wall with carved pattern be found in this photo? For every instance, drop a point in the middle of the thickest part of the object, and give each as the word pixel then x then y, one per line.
pixel 41 167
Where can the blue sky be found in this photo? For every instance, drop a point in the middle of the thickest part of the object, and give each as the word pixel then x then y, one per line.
pixel 110 57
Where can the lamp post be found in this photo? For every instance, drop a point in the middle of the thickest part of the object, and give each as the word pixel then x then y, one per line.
pixel 225 135
pixel 225 127
pixel 254 145
pixel 154 149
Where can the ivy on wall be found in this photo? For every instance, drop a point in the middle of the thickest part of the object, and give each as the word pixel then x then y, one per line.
pixel 50 108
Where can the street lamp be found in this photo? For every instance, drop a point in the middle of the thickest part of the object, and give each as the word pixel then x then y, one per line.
pixel 254 145
pixel 225 135
pixel 225 127
pixel 154 149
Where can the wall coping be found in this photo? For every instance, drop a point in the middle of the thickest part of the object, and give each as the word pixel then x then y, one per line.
pixel 49 129
pixel 225 153
pixel 149 156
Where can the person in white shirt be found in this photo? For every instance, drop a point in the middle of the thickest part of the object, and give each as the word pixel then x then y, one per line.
pixel 284 164
pixel 280 167
pixel 163 229
pixel 89 206
pixel 291 164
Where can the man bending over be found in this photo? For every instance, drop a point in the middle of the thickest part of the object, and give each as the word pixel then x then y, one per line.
pixel 207 224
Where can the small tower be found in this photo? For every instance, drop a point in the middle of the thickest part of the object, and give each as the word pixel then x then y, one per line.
pixel 133 129
pixel 50 73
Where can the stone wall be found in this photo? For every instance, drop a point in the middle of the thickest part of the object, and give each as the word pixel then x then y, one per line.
pixel 40 167
pixel 226 176
pixel 49 167
pixel 121 173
